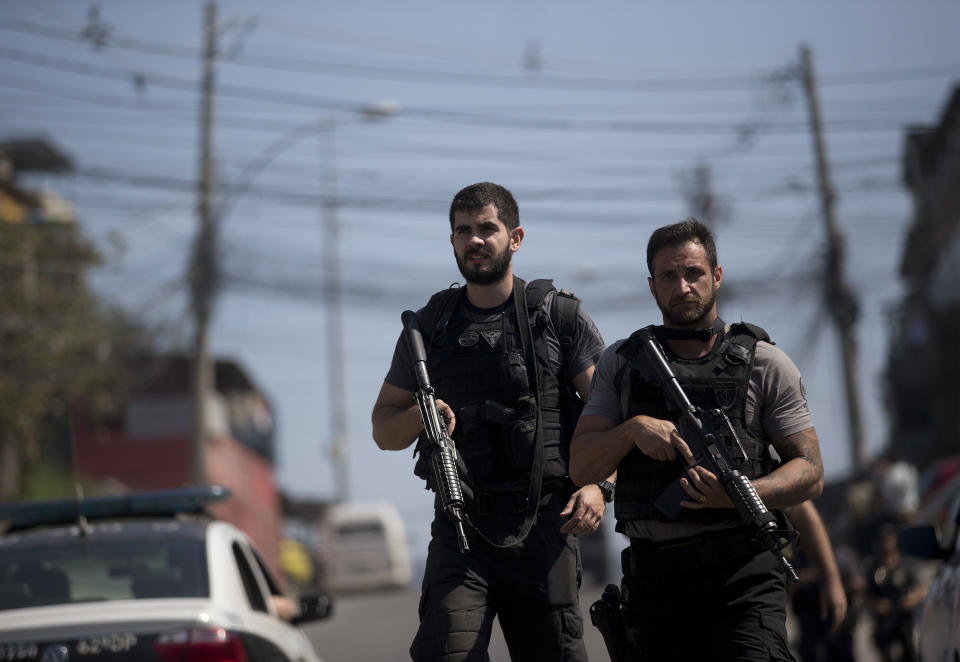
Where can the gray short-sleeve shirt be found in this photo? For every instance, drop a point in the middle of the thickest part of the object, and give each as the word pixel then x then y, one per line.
pixel 776 404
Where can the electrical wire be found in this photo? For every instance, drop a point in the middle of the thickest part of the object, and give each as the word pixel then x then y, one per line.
pixel 438 115
pixel 593 83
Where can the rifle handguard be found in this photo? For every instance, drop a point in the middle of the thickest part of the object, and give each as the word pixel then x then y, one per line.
pixel 448 482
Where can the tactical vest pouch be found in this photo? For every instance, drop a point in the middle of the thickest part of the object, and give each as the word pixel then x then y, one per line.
pixel 507 433
pixel 473 442
pixel 514 377
pixel 518 454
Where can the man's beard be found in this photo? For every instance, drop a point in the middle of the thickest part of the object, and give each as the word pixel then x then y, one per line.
pixel 485 274
pixel 689 316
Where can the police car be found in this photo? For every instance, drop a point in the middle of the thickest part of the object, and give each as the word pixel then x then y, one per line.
pixel 147 576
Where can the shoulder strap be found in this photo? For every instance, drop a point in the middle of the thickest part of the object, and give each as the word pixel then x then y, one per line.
pixel 634 359
pixel 740 344
pixel 536 291
pixel 564 308
pixel 631 346
pixel 435 316
pixel 752 330
pixel 564 313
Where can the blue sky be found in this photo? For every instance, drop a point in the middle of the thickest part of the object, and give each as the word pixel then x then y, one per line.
pixel 594 115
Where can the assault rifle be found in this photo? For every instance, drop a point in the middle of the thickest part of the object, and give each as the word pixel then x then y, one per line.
pixel 442 452
pixel 705 432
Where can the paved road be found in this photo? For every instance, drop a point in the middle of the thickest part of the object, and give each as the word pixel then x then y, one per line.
pixel 378 627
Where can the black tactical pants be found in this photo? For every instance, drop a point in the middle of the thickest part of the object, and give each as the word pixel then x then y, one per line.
pixel 531 588
pixel 706 601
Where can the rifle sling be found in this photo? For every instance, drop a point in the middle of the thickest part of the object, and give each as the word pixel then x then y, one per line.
pixel 536 469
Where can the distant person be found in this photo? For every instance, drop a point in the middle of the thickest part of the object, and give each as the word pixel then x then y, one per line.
pixel 698 587
pixel 894 590
pixel 826 601
pixel 507 360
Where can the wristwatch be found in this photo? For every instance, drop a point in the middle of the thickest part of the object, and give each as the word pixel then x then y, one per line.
pixel 608 489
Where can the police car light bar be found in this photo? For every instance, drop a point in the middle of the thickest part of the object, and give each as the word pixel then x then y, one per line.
pixel 145 504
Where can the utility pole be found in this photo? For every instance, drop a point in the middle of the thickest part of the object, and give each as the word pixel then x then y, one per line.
pixel 203 267
pixel 838 295
pixel 705 205
pixel 699 193
pixel 333 305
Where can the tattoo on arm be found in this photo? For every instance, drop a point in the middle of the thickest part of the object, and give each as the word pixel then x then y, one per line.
pixel 800 477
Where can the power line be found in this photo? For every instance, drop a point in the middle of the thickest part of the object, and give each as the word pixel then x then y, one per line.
pixel 594 83
pixel 361 201
pixel 233 118
pixel 53 32
pixel 168 110
pixel 446 116
pixel 851 110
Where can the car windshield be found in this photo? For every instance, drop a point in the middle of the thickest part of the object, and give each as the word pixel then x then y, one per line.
pixel 76 569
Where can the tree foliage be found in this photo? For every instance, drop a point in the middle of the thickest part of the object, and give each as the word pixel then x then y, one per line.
pixel 60 344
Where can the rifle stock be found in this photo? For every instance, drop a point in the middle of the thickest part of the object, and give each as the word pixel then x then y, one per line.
pixel 443 460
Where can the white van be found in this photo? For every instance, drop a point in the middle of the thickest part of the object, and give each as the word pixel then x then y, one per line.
pixel 366 547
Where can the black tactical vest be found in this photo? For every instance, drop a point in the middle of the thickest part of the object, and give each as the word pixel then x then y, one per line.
pixel 480 370
pixel 717 380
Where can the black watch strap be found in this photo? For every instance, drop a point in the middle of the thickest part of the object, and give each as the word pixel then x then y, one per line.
pixel 608 489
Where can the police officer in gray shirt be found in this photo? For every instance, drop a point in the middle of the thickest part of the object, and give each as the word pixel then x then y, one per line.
pixel 698 587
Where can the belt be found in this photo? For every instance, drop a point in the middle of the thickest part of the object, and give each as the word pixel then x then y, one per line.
pixel 707 550
pixel 514 503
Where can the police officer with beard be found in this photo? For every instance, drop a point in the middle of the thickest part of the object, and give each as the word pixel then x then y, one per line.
pixel 698 587
pixel 508 379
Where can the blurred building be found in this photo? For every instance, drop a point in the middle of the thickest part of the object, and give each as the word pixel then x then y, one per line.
pixel 20 204
pixel 922 383
pixel 40 218
pixel 149 445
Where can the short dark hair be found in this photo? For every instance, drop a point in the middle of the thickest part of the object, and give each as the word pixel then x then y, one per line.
pixel 679 234
pixel 477 196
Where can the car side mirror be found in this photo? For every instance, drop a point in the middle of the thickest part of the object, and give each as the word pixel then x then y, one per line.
pixel 921 541
pixel 314 607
